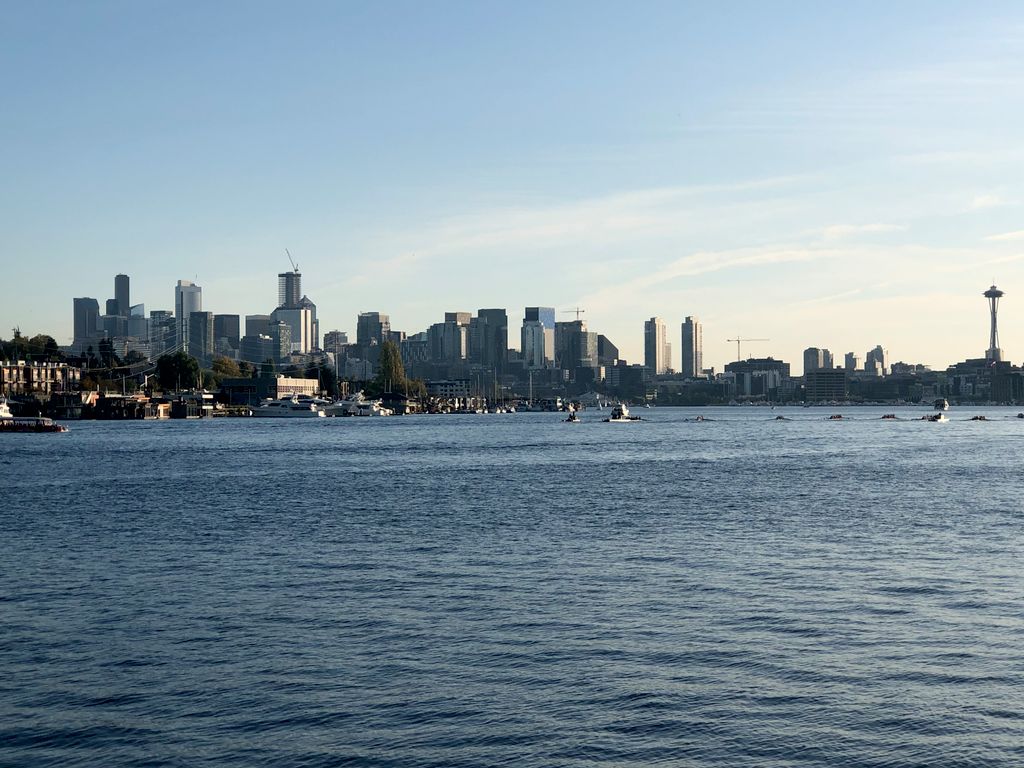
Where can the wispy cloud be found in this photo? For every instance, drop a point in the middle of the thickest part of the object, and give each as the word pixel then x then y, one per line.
pixel 1007 236
pixel 980 202
pixel 842 231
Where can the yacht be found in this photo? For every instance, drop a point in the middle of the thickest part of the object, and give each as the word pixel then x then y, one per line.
pixel 289 408
pixel 620 414
pixel 11 423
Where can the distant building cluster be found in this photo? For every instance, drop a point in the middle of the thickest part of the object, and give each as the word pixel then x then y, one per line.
pixel 470 352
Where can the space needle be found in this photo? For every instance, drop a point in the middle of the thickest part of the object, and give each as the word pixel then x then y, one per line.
pixel 994 354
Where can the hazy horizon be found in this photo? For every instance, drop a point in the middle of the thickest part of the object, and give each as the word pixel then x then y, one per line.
pixel 831 177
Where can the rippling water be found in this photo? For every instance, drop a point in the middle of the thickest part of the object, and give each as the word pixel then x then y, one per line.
pixel 512 590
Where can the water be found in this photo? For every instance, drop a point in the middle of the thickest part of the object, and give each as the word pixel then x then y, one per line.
pixel 512 590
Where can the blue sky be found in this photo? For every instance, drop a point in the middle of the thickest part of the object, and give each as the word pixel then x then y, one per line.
pixel 806 172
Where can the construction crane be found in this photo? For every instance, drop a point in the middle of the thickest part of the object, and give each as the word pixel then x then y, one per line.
pixel 577 310
pixel 739 341
pixel 295 267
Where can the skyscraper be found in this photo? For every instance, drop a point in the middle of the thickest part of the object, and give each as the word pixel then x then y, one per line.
pixel 121 295
pixel 543 315
pixel 692 363
pixel 488 333
pixel 227 327
pixel 87 320
pixel 188 298
pixel 289 289
pixel 372 328
pixel 851 361
pixel 813 359
pixel 200 336
pixel 657 354
pixel 877 358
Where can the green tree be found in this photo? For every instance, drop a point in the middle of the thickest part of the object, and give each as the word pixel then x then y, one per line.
pixel 177 371
pixel 223 368
pixel 391 373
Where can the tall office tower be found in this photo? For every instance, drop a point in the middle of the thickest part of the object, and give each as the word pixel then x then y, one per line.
pixel 572 345
pixel 111 308
pixel 124 306
pixel 488 337
pixel 306 303
pixel 538 344
pixel 459 318
pixel 335 342
pixel 257 325
pixel 656 350
pixel 448 342
pixel 138 325
pixel 372 329
pixel 188 298
pixel 300 321
pixel 692 364
pixel 200 336
pixel 877 358
pixel 162 331
pixel 289 289
pixel 607 353
pixel 994 353
pixel 227 327
pixel 87 321
pixel 280 340
pixel 543 315
pixel 813 359
pixel 851 361
pixel 828 360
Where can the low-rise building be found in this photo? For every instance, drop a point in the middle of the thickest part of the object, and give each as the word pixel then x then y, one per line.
pixel 24 377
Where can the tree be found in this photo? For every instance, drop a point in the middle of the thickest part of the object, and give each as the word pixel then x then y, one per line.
pixel 177 371
pixel 224 368
pixel 391 374
pixel 326 376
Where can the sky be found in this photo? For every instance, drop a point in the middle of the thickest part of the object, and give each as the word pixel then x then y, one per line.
pixel 814 174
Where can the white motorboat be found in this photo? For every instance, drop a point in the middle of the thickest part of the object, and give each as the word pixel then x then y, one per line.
pixel 620 414
pixel 372 408
pixel 289 408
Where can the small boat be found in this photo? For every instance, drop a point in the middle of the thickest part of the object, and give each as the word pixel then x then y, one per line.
pixel 781 418
pixel 889 417
pixel 935 417
pixel 620 414
pixel 572 418
pixel 836 417
pixel 942 404
pixel 978 418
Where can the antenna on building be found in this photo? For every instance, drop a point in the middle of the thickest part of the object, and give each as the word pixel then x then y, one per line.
pixel 295 267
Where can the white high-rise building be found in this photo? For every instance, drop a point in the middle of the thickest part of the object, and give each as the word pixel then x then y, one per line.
pixel 657 350
pixel 301 323
pixel 692 363
pixel 188 298
pixel 538 344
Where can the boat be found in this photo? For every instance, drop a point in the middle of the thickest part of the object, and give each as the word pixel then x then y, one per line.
pixel 11 423
pixel 289 408
pixel 889 417
pixel 372 408
pixel 935 417
pixel 978 418
pixel 836 417
pixel 620 414
pixel 572 418
pixel 942 404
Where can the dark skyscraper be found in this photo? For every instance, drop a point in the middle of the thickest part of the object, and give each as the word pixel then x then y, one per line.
pixel 227 327
pixel 543 315
pixel 372 328
pixel 289 290
pixel 87 319
pixel 200 336
pixel 488 333
pixel 121 295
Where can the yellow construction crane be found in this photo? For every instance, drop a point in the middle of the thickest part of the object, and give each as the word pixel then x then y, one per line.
pixel 739 341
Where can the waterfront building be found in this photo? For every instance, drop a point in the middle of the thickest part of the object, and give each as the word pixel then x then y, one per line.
pixel 764 377
pixel 86 321
pixel 121 295
pixel 692 362
pixel 657 351
pixel 200 336
pixel 38 377
pixel 825 385
pixel 851 362
pixel 188 298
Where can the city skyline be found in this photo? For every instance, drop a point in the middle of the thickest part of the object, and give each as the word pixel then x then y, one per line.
pixel 765 174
